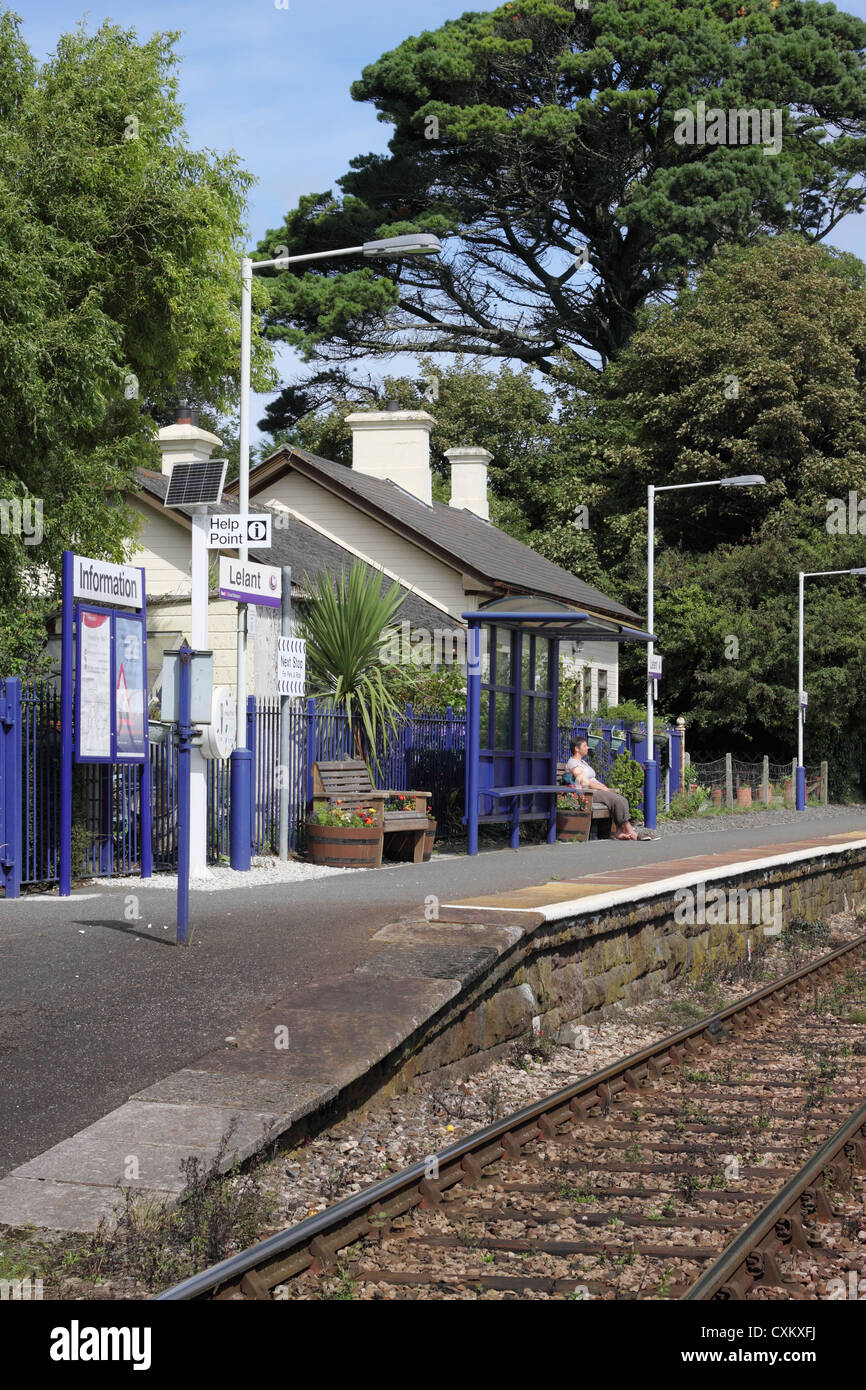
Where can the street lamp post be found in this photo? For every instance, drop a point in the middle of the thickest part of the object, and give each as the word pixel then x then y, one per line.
pixel 418 244
pixel 800 790
pixel 652 773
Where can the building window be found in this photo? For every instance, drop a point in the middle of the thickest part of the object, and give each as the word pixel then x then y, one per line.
pixel 602 688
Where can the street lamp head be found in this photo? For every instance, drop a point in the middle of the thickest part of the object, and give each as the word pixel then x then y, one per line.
pixel 747 480
pixel 418 244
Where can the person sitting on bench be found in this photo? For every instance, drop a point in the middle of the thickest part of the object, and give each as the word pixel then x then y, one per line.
pixel 579 771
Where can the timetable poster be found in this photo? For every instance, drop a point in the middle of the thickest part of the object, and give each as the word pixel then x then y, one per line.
pixel 94 685
pixel 129 687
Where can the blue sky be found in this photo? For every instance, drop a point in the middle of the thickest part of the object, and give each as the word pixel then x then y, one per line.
pixel 274 84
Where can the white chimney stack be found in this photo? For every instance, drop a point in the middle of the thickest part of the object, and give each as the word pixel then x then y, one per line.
pixel 394 445
pixel 469 479
pixel 185 442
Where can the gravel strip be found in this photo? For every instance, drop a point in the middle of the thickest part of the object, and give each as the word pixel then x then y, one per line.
pixel 263 871
pixel 754 820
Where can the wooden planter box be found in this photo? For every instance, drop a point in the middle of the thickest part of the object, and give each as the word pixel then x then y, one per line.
pixel 344 847
pixel 402 846
pixel 574 825
pixel 429 840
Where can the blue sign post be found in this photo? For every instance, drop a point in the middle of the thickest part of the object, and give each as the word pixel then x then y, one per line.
pixel 184 789
pixel 103 694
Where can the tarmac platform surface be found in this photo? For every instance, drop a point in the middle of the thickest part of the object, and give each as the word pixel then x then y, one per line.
pixel 123 1054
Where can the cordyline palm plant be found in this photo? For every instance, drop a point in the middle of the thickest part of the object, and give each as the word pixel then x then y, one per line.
pixel 342 625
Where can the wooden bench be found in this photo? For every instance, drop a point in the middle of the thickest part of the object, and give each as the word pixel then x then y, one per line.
pixel 349 782
pixel 601 817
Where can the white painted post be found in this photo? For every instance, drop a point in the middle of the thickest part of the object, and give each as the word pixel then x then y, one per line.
pixel 199 642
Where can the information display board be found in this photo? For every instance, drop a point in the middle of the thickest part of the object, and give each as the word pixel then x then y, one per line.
pixel 111 690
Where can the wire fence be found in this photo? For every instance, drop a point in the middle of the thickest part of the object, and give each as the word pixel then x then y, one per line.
pixel 730 781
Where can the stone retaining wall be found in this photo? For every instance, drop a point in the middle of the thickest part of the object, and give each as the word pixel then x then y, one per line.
pixel 579 967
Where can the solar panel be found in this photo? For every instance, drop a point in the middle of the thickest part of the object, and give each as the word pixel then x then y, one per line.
pixel 196 482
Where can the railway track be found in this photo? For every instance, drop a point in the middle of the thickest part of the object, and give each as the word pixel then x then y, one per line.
pixel 704 1166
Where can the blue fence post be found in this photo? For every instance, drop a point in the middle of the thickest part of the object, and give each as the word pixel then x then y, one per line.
pixel 252 742
pixel 408 745
pixel 184 745
pixel 449 729
pixel 66 687
pixel 11 788
pixel 473 712
pixel 675 740
pixel 145 817
pixel 309 751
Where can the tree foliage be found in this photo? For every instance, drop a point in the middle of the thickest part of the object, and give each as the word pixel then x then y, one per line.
pixel 119 285
pixel 536 131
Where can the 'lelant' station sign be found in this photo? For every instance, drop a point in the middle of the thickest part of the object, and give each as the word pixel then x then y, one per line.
pixel 241 581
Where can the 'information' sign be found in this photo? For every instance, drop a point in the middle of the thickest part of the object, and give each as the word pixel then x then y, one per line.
pixel 101 582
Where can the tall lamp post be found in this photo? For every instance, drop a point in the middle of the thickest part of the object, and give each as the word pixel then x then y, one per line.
pixel 418 244
pixel 800 793
pixel 652 773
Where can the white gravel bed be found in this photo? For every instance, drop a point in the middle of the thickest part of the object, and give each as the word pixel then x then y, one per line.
pixel 263 871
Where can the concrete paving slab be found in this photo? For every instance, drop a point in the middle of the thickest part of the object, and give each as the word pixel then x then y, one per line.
pixel 468 934
pixel 522 918
pixel 321 1043
pixel 59 1206
pixel 408 999
pixel 444 962
pixel 97 1164
pixel 294 1097
pixel 97 1154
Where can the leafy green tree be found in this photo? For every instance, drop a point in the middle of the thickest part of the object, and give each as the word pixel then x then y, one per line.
pixel 539 132
pixel 119 286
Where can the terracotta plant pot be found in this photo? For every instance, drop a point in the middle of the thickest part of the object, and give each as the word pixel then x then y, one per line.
pixel 718 796
pixel 429 839
pixel 344 847
pixel 573 825
pixel 789 790
pixel 744 796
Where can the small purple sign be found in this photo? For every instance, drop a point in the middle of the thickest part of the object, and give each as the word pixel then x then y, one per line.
pixel 241 581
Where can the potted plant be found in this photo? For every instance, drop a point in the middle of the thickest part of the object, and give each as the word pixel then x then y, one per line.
pixel 573 815
pixel 345 837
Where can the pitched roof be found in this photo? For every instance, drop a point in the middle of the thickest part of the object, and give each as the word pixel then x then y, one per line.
pixel 455 535
pixel 306 550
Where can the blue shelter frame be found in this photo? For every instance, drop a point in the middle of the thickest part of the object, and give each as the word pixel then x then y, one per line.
pixel 512 707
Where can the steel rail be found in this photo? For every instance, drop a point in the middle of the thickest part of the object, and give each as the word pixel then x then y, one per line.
pixel 728 1277
pixel 330 1221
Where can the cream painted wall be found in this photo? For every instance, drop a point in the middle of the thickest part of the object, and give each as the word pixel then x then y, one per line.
pixel 438 583
pixel 163 547
pixel 165 619
pixel 598 656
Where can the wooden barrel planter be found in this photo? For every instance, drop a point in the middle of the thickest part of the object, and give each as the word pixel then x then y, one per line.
pixel 573 825
pixel 343 846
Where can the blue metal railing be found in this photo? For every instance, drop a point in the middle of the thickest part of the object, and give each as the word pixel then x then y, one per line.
pixel 426 752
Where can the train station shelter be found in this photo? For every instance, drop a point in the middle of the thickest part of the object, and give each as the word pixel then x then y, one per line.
pixel 512 707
